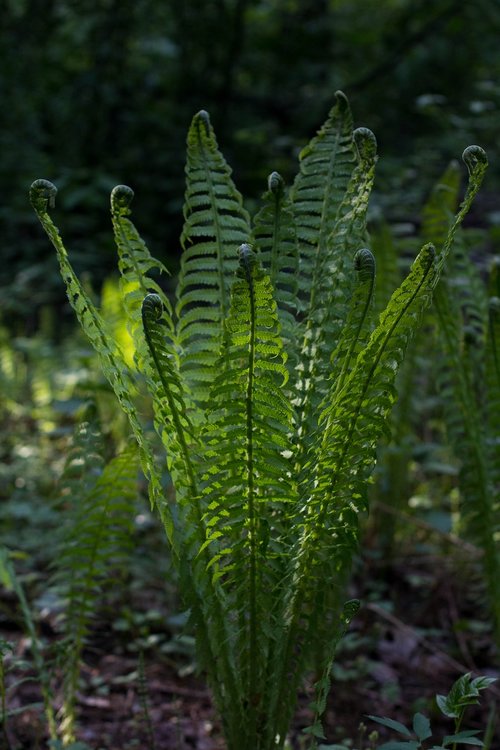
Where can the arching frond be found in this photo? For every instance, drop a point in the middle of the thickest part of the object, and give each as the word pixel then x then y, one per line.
pixel 215 224
pixel 332 288
pixel 137 267
pixel 42 195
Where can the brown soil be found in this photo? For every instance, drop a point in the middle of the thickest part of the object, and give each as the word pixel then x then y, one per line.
pixel 421 626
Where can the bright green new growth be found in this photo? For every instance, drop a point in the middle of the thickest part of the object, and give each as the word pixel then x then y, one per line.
pixel 271 386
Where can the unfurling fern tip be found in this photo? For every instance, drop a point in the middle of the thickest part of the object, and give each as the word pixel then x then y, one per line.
pixel 475 160
pixel 43 195
pixel 366 144
pixel 121 198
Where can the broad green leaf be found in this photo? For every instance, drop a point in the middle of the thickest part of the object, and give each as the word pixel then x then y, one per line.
pixel 391 724
pixel 422 726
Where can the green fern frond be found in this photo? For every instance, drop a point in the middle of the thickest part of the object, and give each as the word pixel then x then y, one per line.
pixel 94 544
pixel 476 162
pixel 356 329
pixel 183 445
pixel 467 423
pixel 136 265
pixel 172 419
pixel 215 224
pixel 340 464
pixel 388 272
pixel 326 165
pixel 248 487
pixel 42 195
pixel 276 243
pixel 332 287
pixel 464 378
pixel 440 208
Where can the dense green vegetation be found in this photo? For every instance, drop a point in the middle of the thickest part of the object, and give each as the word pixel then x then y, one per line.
pixel 259 382
pixel 100 93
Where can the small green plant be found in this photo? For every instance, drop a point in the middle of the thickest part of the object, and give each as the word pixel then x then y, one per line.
pixel 464 692
pixel 271 383
pixel 91 549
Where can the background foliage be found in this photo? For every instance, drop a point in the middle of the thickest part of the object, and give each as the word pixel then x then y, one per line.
pixel 100 92
pixel 96 93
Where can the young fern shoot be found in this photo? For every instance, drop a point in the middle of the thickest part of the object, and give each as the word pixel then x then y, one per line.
pixel 272 385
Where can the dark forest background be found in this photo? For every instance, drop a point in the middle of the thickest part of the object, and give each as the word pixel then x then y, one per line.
pixel 96 93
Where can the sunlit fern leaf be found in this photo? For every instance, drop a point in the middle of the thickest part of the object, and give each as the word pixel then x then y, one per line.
pixel 248 487
pixel 113 312
pixel 215 224
pixel 332 287
pixel 356 329
pixel 168 391
pixel 276 242
pixel 343 458
pixel 326 164
pixel 94 543
pixel 42 195
pixel 137 267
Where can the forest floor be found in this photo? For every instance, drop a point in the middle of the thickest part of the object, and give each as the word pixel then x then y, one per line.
pixel 419 628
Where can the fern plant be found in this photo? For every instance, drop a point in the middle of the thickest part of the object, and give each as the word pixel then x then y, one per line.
pixel 271 385
pixel 91 549
pixel 93 546
pixel 468 316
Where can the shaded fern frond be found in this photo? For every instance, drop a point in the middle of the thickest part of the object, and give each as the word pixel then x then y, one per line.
pixel 465 392
pixel 276 242
pixel 215 224
pixel 476 162
pixel 94 545
pixel 356 328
